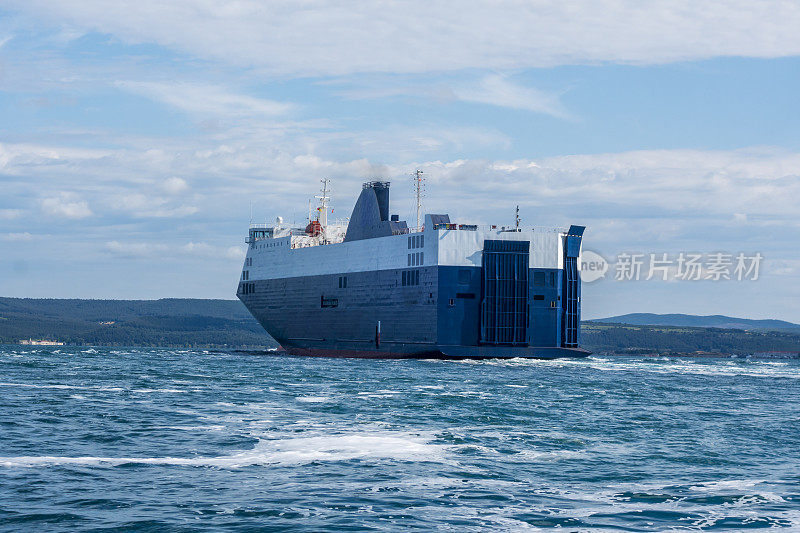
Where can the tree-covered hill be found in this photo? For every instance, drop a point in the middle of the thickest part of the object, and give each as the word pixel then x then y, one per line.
pixel 226 323
pixel 166 322
pixel 630 339
pixel 695 321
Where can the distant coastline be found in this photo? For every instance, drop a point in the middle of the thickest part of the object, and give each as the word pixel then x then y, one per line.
pixel 170 322
pixel 226 324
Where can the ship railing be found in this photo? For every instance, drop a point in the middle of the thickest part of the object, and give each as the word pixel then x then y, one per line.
pixel 309 243
pixel 495 227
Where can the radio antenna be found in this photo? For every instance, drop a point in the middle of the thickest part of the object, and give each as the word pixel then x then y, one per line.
pixel 419 182
pixel 322 214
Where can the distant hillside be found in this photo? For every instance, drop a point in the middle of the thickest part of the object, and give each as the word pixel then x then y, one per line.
pixel 622 339
pixel 166 322
pixel 226 324
pixel 695 321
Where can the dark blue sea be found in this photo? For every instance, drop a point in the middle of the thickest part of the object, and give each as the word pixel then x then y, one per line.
pixel 190 440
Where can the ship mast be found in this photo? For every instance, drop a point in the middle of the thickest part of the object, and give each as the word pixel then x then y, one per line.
pixel 418 184
pixel 322 214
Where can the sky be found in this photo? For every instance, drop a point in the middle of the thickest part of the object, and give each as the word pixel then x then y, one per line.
pixel 136 138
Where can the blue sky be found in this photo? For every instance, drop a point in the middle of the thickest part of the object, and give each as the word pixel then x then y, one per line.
pixel 133 138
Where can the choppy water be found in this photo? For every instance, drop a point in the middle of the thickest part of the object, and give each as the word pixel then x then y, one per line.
pixel 190 440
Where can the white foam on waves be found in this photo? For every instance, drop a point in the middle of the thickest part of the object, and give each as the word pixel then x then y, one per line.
pixel 368 446
pixel 59 386
pixel 313 399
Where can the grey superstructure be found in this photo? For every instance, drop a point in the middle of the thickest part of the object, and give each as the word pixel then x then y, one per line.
pixel 382 289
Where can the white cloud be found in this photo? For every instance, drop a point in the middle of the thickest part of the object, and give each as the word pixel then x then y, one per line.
pixel 317 37
pixel 189 249
pixel 235 252
pixel 16 237
pixel 18 157
pixel 279 176
pixel 199 249
pixel 497 90
pixel 672 181
pixel 140 249
pixel 208 100
pixel 782 267
pixel 494 89
pixel 167 212
pixel 392 87
pixel 66 206
pixel 143 205
pixel 627 198
pixel 174 185
pixel 8 214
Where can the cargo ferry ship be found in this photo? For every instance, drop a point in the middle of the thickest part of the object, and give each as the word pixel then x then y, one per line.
pixel 378 288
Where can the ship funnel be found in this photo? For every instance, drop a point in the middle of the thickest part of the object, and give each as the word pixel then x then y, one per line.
pixel 370 216
pixel 381 189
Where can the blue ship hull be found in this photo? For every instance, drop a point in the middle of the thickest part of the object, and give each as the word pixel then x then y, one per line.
pixel 444 290
pixel 375 316
pixel 395 351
